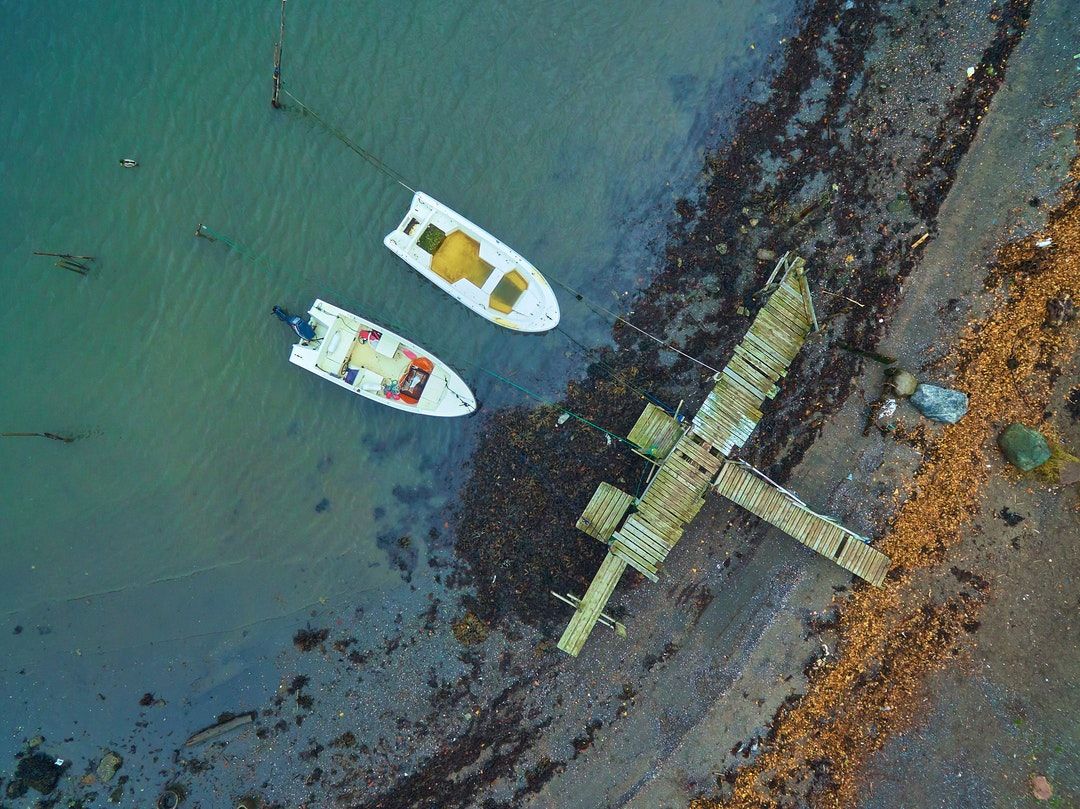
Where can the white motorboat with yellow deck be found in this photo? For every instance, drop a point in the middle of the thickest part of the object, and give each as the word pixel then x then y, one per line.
pixel 471 265
pixel 372 361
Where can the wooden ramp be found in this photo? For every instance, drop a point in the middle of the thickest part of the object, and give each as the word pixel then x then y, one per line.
pixel 692 460
pixel 732 409
pixel 745 486
pixel 592 604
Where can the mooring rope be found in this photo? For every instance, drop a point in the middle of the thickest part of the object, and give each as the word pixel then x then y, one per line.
pixel 601 310
pixel 364 153
pixel 565 410
pixel 616 375
pixel 261 263
pixel 396 177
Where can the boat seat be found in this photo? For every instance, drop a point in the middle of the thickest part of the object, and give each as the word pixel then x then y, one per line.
pixel 369 382
pixel 387 346
pixel 338 347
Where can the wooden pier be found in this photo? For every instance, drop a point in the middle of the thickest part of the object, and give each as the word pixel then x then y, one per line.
pixel 745 486
pixel 692 459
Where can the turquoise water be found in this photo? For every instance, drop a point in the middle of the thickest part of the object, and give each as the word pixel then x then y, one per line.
pixel 177 544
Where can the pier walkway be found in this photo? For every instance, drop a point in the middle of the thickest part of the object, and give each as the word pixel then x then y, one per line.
pixel 692 459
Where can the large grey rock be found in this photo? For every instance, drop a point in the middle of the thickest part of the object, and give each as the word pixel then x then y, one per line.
pixel 1024 447
pixel 940 404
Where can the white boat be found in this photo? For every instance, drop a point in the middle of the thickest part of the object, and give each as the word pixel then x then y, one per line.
pixel 470 264
pixel 375 363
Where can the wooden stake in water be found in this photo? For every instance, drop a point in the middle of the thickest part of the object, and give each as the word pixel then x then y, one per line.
pixel 64 255
pixel 275 98
pixel 53 436
pixel 68 261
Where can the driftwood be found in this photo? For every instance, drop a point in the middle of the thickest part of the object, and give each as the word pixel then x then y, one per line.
pixel 212 732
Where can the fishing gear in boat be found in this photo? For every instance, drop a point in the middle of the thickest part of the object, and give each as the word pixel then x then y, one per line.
pixel 302 328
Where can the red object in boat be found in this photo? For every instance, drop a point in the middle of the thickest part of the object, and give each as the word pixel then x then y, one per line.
pixel 413 380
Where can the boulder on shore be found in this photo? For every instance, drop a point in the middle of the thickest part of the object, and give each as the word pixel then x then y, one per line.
pixel 1024 447
pixel 940 404
pixel 903 382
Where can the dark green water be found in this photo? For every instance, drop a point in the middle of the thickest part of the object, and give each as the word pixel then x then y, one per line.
pixel 176 546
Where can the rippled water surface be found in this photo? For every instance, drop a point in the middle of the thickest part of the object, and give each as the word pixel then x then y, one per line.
pixel 179 540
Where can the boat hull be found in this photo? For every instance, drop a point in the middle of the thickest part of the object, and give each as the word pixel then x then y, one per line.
pixel 371 361
pixel 473 267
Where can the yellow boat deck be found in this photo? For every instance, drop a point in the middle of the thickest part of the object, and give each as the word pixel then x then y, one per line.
pixel 457 257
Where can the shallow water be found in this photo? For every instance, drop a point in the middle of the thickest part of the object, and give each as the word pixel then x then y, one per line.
pixel 177 544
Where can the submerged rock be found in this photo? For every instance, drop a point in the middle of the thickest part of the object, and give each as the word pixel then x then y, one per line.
pixel 1040 788
pixel 39 771
pixel 1024 447
pixel 940 404
pixel 107 767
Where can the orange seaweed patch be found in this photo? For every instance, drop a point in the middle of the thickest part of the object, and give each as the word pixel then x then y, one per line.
pixel 891 639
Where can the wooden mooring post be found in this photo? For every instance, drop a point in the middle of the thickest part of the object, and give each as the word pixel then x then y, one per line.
pixel 275 99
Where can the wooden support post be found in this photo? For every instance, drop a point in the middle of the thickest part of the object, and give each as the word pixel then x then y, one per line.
pixel 275 101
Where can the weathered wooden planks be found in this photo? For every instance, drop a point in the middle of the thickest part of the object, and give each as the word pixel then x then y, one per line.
pixel 606 508
pixel 746 488
pixel 592 604
pixel 655 432
pixel 865 562
pixel 692 459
